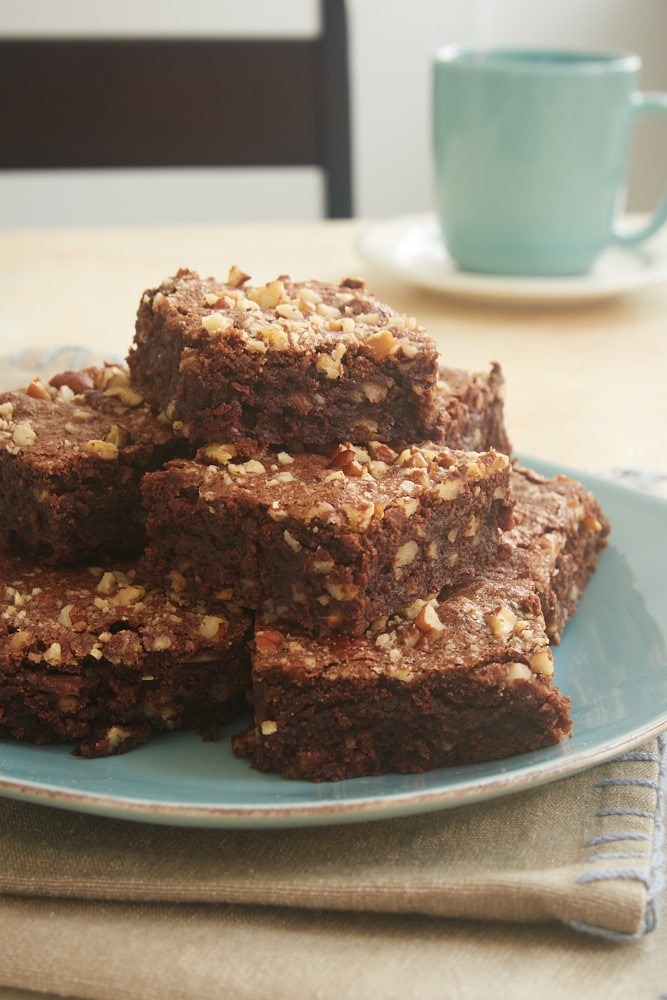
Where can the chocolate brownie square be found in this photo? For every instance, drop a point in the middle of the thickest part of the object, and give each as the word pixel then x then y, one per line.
pixel 447 682
pixel 97 657
pixel 72 454
pixel 287 364
pixel 329 542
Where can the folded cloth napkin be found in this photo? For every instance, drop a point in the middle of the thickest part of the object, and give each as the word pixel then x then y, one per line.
pixel 585 851
pixel 165 951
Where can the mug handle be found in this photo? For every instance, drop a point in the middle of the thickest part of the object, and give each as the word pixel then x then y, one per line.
pixel 644 103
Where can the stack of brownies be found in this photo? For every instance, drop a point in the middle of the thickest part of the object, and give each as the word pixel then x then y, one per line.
pixel 284 501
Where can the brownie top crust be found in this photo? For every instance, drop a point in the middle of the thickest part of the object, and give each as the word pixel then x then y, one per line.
pixel 93 414
pixel 545 506
pixel 481 623
pixel 287 315
pixel 59 619
pixel 352 486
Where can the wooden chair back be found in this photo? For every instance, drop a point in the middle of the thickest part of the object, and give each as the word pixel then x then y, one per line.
pixel 187 102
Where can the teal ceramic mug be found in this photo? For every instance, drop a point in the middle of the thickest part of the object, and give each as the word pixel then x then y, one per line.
pixel 531 151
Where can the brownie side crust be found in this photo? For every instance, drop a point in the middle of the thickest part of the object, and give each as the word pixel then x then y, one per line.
pixel 97 657
pixel 454 682
pixel 329 542
pixel 286 364
pixel 470 410
pixel 558 534
pixel 72 455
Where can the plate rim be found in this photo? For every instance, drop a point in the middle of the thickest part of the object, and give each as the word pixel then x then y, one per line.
pixel 501 288
pixel 330 812
pixel 542 767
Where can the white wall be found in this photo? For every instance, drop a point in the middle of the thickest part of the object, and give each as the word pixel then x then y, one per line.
pixel 391 42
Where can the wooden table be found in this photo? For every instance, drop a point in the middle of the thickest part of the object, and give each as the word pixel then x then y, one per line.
pixel 585 384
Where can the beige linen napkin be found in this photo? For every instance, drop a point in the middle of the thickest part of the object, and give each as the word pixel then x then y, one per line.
pixel 138 951
pixel 585 851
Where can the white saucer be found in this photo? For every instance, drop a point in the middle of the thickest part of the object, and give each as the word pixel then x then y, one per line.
pixel 410 248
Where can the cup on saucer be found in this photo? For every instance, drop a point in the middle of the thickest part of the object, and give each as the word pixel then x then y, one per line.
pixel 531 148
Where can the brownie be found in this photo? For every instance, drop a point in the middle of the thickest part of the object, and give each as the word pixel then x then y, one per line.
pixel 464 680
pixel 96 657
pixel 558 534
pixel 72 454
pixel 288 364
pixel 329 542
pixel 470 410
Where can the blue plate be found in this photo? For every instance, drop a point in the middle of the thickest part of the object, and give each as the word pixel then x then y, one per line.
pixel 612 663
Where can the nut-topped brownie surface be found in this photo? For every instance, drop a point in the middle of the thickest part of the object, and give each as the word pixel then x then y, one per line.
pixel 331 542
pixel 558 533
pixel 72 454
pixel 287 363
pixel 98 657
pixel 445 682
